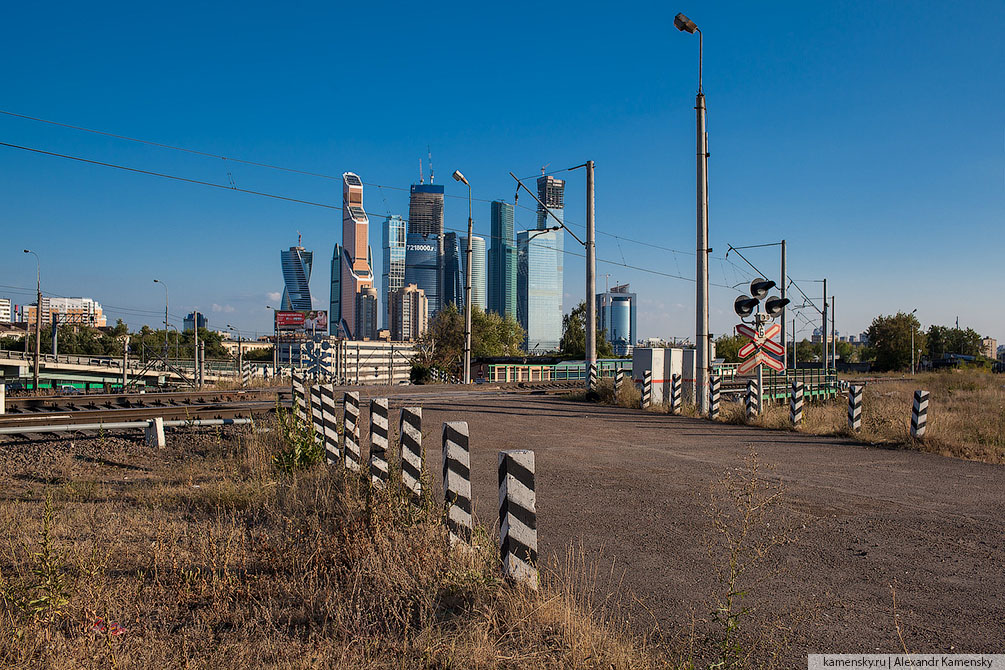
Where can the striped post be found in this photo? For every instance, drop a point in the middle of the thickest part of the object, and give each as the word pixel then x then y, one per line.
pixel 647 388
pixel 619 382
pixel 919 414
pixel 457 480
pixel 378 442
pixel 410 437
pixel 855 407
pixel 714 387
pixel 316 413
pixel 246 374
pixel 329 419
pixel 751 398
pixel 675 394
pixel 299 401
pixel 796 404
pixel 591 378
pixel 518 516
pixel 350 432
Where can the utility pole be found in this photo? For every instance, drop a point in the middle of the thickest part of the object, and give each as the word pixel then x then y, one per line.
pixel 785 348
pixel 823 330
pixel 795 362
pixel 591 277
pixel 38 316
pixel 195 329
pixel 834 346
pixel 202 364
pixel 125 363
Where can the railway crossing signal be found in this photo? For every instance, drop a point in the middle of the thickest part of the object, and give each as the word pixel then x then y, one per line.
pixel 762 349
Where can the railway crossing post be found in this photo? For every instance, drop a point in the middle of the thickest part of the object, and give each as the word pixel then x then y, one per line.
pixel 919 414
pixel 457 480
pixel 518 516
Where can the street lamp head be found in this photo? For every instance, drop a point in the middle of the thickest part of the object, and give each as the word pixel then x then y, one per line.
pixel 684 24
pixel 459 177
pixel 27 251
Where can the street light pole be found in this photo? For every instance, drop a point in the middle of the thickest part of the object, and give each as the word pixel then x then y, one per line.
pixel 467 287
pixel 785 341
pixel 685 24
pixel 591 278
pixel 38 316
pixel 912 342
pixel 158 281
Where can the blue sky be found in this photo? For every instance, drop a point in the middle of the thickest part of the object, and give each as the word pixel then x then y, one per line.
pixel 869 135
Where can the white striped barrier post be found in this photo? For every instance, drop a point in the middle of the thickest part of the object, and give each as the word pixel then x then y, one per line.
pixel 246 374
pixel 410 436
pixel 714 391
pixel 329 419
pixel 855 407
pixel 591 378
pixel 752 403
pixel 647 388
pixel 154 433
pixel 378 442
pixel 518 517
pixel 316 413
pixel 299 401
pixel 457 480
pixel 350 432
pixel 619 382
pixel 796 404
pixel 919 414
pixel 675 394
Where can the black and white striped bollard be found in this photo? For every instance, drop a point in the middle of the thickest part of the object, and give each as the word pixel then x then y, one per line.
pixel 316 414
pixel 855 407
pixel 619 382
pixel 647 388
pixel 410 437
pixel 714 390
pixel 299 402
pixel 752 392
pixel 329 419
pixel 675 394
pixel 591 377
pixel 518 517
pixel 796 404
pixel 919 414
pixel 350 432
pixel 378 442
pixel 457 480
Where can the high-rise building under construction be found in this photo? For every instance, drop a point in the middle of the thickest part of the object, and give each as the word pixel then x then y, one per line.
pixel 425 218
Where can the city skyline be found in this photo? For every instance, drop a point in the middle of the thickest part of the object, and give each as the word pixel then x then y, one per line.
pixel 867 226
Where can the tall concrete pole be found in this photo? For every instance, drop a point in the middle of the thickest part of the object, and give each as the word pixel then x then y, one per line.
pixel 823 330
pixel 125 363
pixel 785 348
pixel 38 317
pixel 195 328
pixel 834 346
pixel 701 288
pixel 202 363
pixel 467 298
pixel 591 276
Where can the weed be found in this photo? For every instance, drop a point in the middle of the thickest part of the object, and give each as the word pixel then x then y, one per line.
pixel 49 594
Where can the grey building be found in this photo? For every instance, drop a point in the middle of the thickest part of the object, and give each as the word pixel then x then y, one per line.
pixel 479 283
pixel 616 316
pixel 392 277
pixel 502 261
pixel 296 265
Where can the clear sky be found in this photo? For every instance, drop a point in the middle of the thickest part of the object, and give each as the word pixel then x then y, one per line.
pixel 869 135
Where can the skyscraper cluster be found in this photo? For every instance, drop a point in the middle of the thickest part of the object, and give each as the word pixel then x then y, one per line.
pixel 517 275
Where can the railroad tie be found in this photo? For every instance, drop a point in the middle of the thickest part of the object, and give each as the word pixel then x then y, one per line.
pixel 675 394
pixel 410 437
pixel 855 407
pixel 796 404
pixel 518 517
pixel 329 417
pixel 714 388
pixel 919 414
pixel 350 432
pixel 378 442
pixel 457 480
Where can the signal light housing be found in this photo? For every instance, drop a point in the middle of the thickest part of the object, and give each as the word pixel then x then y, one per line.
pixel 759 287
pixel 744 306
pixel 774 305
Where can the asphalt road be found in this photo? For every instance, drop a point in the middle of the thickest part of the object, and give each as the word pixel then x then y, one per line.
pixel 630 491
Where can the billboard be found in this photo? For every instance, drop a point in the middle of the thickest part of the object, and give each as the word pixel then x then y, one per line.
pixel 302 321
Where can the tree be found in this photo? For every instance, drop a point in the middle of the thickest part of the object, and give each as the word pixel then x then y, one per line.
pixel 807 351
pixel 491 335
pixel 847 352
pixel 890 340
pixel 943 340
pixel 573 343
pixel 727 347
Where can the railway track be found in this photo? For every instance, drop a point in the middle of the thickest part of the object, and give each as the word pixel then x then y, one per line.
pixel 170 399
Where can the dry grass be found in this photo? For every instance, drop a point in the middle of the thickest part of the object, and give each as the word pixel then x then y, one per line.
pixel 966 415
pixel 205 556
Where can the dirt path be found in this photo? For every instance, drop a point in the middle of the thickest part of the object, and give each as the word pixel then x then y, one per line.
pixel 632 489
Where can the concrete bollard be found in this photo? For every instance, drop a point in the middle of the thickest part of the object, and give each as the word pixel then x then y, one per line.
pixel 350 432
pixel 919 414
pixel 316 414
pixel 752 398
pixel 154 433
pixel 591 377
pixel 855 407
pixel 329 419
pixel 619 382
pixel 410 437
pixel 299 401
pixel 518 517
pixel 3 397
pixel 647 388
pixel 457 480
pixel 714 390
pixel 676 391
pixel 378 442
pixel 796 404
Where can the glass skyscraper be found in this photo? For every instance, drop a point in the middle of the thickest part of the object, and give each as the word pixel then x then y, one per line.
pixel 355 269
pixel 425 217
pixel 296 264
pixel 422 267
pixel 479 284
pixel 453 291
pixel 502 261
pixel 617 317
pixel 540 267
pixel 393 276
